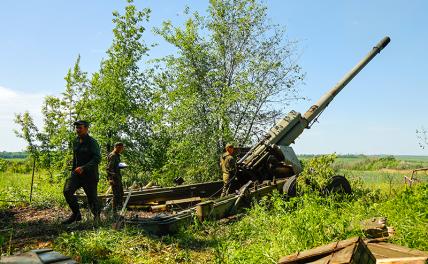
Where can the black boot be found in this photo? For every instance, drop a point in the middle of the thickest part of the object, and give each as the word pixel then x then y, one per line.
pixel 72 218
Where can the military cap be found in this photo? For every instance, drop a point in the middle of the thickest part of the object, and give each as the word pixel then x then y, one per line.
pixel 117 144
pixel 81 122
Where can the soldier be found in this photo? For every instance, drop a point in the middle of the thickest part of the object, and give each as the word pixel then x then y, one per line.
pixel 114 175
pixel 86 157
pixel 228 167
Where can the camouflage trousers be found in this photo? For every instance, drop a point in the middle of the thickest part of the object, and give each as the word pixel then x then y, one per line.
pixel 226 184
pixel 75 182
pixel 117 188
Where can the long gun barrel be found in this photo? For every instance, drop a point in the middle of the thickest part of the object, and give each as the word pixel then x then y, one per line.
pixel 291 126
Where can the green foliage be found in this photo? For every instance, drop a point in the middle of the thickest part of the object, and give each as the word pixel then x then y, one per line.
pixel 275 228
pixel 230 67
pixel 3 165
pixel 16 166
pixel 28 132
pixel 15 186
pixel 407 213
pixel 96 248
pixel 316 173
pixel 128 246
pixel 119 95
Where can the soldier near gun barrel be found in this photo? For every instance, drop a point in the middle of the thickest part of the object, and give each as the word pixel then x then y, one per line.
pixel 228 168
pixel 114 175
pixel 86 157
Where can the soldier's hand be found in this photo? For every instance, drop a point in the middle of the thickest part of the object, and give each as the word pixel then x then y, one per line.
pixel 78 170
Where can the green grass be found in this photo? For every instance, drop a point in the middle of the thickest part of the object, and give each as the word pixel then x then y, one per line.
pixel 17 186
pixel 272 228
pixel 46 192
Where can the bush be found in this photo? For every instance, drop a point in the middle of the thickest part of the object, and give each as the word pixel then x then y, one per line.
pixel 316 173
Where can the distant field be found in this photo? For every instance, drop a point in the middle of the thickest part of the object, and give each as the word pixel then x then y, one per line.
pixel 412 158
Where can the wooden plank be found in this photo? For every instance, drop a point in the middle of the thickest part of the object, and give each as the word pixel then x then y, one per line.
pixel 159 208
pixel 344 255
pixel 352 250
pixel 406 260
pixel 318 251
pixel 184 201
pixel 388 250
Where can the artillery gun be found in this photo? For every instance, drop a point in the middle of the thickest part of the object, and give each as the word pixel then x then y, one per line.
pixel 271 164
pixel 272 157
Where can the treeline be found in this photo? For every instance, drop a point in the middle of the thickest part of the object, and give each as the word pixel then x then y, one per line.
pixel 13 155
pixel 232 75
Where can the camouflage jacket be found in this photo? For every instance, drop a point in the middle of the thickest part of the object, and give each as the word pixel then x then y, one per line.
pixel 227 163
pixel 113 160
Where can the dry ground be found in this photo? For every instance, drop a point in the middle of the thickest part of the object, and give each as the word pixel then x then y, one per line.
pixel 26 228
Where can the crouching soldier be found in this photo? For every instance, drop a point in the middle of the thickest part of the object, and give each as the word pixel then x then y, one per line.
pixel 114 175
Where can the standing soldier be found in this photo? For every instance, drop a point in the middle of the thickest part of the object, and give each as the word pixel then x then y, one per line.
pixel 114 176
pixel 86 157
pixel 228 167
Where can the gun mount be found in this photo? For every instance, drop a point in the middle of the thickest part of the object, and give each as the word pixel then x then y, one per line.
pixel 272 157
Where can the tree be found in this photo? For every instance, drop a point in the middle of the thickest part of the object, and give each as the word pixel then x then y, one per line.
pixel 234 74
pixel 116 100
pixel 59 113
pixel 29 132
pixel 119 96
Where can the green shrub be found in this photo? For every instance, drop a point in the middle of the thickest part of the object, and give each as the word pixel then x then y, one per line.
pixel 316 173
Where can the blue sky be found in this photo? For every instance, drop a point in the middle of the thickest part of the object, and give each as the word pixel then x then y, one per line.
pixel 377 113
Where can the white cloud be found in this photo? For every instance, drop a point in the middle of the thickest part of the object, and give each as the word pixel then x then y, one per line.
pixel 6 94
pixel 11 103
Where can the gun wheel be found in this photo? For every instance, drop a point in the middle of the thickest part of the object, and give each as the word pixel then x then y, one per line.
pixel 290 187
pixel 338 184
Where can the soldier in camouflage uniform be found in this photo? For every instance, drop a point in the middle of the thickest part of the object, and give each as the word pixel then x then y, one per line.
pixel 228 168
pixel 86 157
pixel 114 175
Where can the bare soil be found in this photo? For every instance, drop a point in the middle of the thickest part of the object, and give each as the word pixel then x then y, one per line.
pixel 26 228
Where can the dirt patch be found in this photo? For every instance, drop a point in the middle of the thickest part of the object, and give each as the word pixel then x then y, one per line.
pixel 25 228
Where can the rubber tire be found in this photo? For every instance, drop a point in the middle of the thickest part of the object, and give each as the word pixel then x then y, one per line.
pixel 290 187
pixel 338 184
